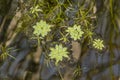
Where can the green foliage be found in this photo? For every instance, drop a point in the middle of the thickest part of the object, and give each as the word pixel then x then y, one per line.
pixel 41 29
pixel 58 53
pixel 56 14
pixel 88 33
pixel 75 32
pixel 59 13
pixel 77 72
pixel 35 10
pixel 5 53
pixel 98 44
pixel 64 37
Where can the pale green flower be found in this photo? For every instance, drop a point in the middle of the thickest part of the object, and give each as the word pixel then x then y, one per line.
pixel 41 28
pixel 58 53
pixel 98 44
pixel 75 32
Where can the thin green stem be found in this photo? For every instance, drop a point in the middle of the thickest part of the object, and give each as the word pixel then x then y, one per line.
pixel 60 73
pixel 11 56
pixel 38 41
pixel 111 7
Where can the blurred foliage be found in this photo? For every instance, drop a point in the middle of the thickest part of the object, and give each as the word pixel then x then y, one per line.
pixel 6 53
pixel 54 22
pixel 3 7
pixel 38 14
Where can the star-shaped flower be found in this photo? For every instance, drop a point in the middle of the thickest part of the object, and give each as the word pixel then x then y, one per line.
pixel 41 28
pixel 75 32
pixel 58 53
pixel 98 44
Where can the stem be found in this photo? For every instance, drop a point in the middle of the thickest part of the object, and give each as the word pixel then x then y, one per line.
pixel 111 7
pixel 60 73
pixel 38 41
pixel 11 56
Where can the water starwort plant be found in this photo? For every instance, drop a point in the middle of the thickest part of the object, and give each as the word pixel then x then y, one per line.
pixel 59 13
pixel 58 53
pixel 35 10
pixel 6 53
pixel 98 44
pixel 75 32
pixel 41 29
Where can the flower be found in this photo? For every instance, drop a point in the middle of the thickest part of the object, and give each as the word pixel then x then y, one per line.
pixel 58 53
pixel 41 28
pixel 98 44
pixel 75 32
